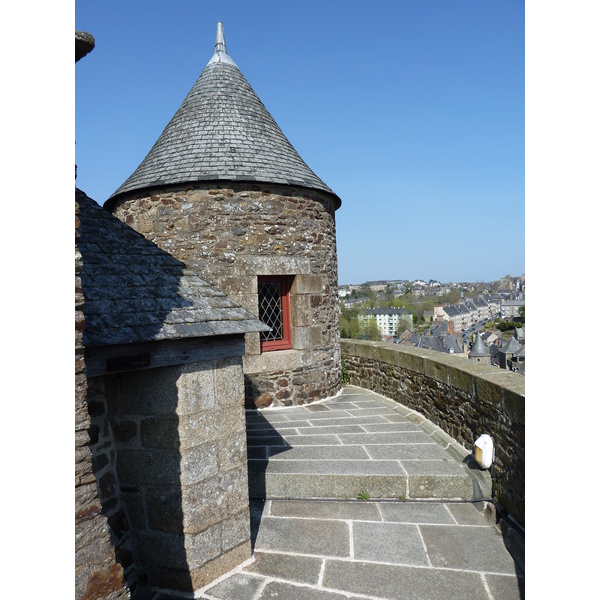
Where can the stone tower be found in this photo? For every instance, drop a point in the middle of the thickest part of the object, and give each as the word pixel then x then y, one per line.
pixel 480 352
pixel 224 191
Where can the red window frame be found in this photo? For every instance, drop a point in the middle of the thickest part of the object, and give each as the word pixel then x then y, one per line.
pixel 285 342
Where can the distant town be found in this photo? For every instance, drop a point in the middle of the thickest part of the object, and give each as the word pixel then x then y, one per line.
pixel 482 321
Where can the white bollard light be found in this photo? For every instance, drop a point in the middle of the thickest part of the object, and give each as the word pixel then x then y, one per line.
pixel 484 451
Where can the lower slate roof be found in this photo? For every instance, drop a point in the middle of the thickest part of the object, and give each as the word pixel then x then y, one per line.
pixel 136 292
pixel 511 346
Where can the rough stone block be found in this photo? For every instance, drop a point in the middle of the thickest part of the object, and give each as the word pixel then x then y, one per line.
pixel 307 284
pixel 232 452
pixel 252 344
pixel 229 382
pixel 304 338
pixel 462 380
pixel 300 311
pixel 271 265
pixel 437 370
pixel 150 466
pixel 236 530
pixel 199 463
pixel 159 432
pixel 150 392
pixel 203 546
pixel 197 388
pixel 164 507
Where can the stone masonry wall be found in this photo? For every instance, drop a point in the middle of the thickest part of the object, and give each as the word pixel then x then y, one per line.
pixel 181 470
pixel 464 398
pixel 232 234
pixel 98 575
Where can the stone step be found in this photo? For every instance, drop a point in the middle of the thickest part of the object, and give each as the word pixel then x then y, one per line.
pixel 356 446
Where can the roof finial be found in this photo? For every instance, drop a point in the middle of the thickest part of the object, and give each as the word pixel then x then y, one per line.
pixel 220 45
pixel 220 55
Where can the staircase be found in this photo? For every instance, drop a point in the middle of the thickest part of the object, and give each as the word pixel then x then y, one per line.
pixel 357 445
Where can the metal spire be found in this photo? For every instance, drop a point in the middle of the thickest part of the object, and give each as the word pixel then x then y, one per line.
pixel 220 45
pixel 220 55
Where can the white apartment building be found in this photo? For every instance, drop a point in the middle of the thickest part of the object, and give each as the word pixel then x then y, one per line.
pixel 387 319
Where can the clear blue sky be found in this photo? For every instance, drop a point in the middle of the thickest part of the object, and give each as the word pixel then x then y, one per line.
pixel 412 112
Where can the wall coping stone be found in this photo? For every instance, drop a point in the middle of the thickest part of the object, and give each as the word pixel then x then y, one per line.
pixel 465 375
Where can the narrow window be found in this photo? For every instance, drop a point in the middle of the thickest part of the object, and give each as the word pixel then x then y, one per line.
pixel 274 311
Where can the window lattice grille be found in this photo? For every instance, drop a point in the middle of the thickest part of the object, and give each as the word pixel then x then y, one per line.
pixel 269 303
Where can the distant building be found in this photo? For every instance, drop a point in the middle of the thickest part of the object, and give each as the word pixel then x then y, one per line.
pixel 518 361
pixel 510 309
pixel 388 319
pixel 483 308
pixel 490 338
pixel 507 353
pixel 377 286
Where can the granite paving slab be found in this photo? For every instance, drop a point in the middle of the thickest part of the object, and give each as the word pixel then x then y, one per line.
pixel 327 509
pixel 394 581
pixel 304 536
pixel 418 512
pixel 303 569
pixel 388 543
pixel 336 467
pixel 473 548
pixel 314 453
pixel 279 590
pixel 333 485
pixel 423 451
pixel 329 550
pixel 376 549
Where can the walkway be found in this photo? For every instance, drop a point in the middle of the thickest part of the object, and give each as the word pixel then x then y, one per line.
pixel 399 520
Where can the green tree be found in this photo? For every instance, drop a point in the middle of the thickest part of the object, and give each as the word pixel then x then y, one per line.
pixel 402 326
pixel 349 323
pixel 522 312
pixel 370 331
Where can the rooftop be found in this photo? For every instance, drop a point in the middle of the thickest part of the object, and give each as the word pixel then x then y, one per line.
pixel 221 131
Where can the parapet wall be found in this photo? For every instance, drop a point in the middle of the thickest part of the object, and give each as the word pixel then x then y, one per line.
pixel 463 398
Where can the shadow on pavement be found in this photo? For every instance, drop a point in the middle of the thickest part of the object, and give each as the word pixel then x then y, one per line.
pixel 263 441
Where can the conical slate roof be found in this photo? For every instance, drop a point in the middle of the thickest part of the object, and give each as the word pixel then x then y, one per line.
pixel 221 131
pixel 511 346
pixel 479 348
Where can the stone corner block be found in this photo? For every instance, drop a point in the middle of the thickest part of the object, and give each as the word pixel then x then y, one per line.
pixel 307 284
pixel 300 311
